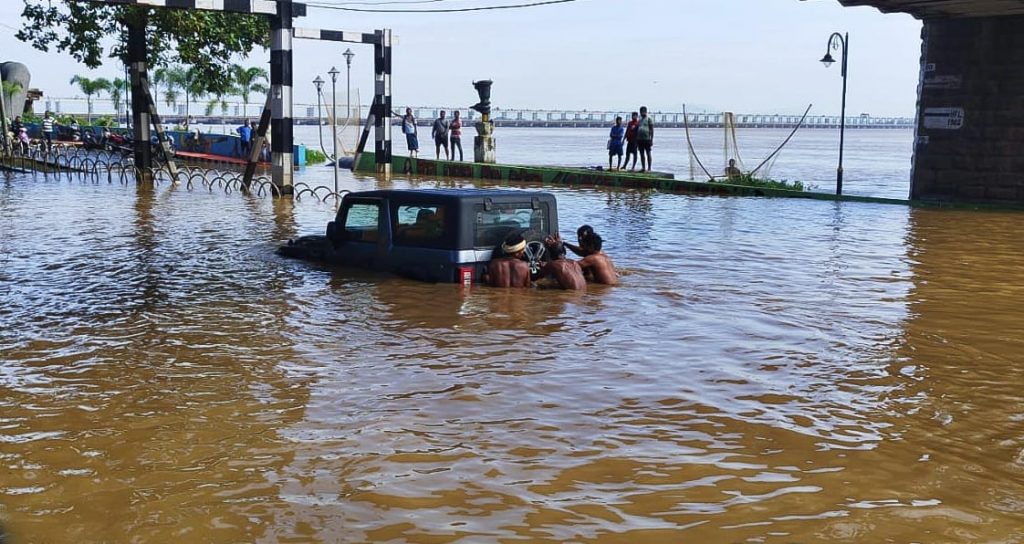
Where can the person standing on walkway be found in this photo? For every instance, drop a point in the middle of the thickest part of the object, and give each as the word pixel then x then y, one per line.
pixel 631 139
pixel 245 135
pixel 456 127
pixel 440 135
pixel 645 140
pixel 616 138
pixel 410 130
pixel 48 122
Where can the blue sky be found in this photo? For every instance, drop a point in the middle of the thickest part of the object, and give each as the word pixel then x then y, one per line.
pixel 718 55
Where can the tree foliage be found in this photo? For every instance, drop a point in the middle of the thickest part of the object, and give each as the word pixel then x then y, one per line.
pixel 116 92
pixel 248 81
pixel 203 40
pixel 90 87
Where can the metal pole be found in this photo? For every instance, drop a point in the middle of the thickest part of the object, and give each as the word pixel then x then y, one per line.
pixel 842 121
pixel 3 114
pixel 334 125
pixel 348 84
pixel 319 118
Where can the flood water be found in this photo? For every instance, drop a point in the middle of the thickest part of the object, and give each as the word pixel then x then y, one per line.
pixel 768 371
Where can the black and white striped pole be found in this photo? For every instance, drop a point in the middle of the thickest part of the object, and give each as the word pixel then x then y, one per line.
pixel 382 100
pixel 381 111
pixel 281 138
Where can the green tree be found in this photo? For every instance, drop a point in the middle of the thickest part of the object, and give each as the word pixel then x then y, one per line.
pixel 188 81
pixel 162 77
pixel 204 40
pixel 219 100
pixel 248 81
pixel 90 87
pixel 116 92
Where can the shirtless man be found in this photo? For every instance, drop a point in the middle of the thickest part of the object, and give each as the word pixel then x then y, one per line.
pixel 509 270
pixel 597 264
pixel 565 272
pixel 581 233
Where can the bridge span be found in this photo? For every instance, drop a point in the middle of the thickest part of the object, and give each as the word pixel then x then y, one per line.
pixel 307 114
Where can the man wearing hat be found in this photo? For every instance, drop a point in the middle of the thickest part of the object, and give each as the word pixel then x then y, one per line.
pixel 509 269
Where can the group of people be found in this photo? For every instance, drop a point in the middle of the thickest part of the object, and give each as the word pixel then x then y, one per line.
pixel 443 132
pixel 636 137
pixel 510 269
pixel 48 130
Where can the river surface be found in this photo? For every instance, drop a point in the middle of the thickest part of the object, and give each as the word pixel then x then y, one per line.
pixel 768 371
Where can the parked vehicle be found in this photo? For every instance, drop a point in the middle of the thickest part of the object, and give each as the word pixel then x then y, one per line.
pixel 437 235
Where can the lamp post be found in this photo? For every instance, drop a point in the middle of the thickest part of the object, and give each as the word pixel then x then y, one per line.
pixel 834 42
pixel 319 83
pixel 334 122
pixel 348 83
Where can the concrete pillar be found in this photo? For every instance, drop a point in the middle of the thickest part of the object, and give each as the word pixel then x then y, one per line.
pixel 970 125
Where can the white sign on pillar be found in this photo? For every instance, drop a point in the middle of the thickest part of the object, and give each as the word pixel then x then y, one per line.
pixel 943 118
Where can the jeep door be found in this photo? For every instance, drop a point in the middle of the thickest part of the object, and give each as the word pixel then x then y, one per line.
pixel 423 241
pixel 364 234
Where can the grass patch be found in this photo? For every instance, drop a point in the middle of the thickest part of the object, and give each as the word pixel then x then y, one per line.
pixel 314 156
pixel 750 181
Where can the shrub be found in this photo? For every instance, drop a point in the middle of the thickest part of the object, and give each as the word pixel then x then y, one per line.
pixel 750 181
pixel 313 155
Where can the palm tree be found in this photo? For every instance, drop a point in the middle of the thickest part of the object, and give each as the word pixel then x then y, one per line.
pixel 218 100
pixel 247 81
pixel 184 79
pixel 116 91
pixel 165 77
pixel 90 87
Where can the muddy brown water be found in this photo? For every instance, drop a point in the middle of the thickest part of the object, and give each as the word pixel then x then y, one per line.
pixel 768 371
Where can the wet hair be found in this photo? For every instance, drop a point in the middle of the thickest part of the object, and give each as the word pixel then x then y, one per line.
pixel 643 109
pixel 557 251
pixel 593 242
pixel 584 230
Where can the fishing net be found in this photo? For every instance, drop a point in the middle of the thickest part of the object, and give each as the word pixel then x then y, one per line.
pixel 731 151
pixel 348 127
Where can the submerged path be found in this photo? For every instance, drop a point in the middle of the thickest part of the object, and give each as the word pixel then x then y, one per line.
pixel 571 176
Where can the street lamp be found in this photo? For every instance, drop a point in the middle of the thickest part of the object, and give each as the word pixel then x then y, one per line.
pixel 834 42
pixel 319 82
pixel 334 122
pixel 348 81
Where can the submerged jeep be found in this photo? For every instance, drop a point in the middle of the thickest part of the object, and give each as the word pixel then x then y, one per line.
pixel 436 235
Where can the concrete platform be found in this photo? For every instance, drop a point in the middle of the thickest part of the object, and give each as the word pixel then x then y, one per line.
pixel 582 177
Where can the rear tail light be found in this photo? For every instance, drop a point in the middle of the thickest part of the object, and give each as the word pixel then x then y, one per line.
pixel 465 276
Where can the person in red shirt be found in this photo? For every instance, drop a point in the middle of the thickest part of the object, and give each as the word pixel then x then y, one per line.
pixel 456 138
pixel 631 130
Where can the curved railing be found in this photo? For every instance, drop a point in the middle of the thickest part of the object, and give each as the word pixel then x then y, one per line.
pixel 97 165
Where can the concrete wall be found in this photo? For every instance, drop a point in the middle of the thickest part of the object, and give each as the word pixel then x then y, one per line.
pixel 970 126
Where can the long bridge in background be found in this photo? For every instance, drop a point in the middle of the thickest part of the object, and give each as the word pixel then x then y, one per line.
pixel 308 114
